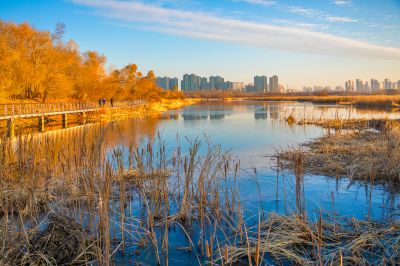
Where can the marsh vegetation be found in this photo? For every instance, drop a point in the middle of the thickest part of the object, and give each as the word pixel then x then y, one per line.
pixel 84 201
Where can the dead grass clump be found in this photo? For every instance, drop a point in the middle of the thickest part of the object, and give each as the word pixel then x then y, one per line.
pixel 136 175
pixel 291 120
pixel 62 242
pixel 22 199
pixel 361 155
pixel 292 240
pixel 349 124
pixel 376 103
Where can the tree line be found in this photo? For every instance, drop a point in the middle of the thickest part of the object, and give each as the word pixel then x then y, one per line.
pixel 39 65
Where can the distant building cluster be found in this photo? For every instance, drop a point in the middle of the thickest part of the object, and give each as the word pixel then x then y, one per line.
pixel 358 86
pixel 167 83
pixel 263 84
pixel 373 85
pixel 194 83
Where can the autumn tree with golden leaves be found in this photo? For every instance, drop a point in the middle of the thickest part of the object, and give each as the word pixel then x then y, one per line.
pixel 39 65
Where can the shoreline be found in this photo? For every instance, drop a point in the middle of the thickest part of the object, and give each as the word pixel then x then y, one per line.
pixel 154 109
pixel 385 102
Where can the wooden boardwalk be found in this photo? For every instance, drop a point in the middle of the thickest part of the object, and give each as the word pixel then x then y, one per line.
pixel 11 112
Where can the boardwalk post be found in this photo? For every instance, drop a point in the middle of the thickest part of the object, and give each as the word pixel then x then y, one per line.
pixel 41 123
pixel 10 127
pixel 64 120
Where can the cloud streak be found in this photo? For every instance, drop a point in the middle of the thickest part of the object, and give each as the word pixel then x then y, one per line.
pixel 340 19
pixel 342 2
pixel 212 27
pixel 261 2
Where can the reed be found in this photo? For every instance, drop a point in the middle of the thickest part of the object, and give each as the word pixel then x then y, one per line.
pixel 291 240
pixel 78 202
pixel 359 154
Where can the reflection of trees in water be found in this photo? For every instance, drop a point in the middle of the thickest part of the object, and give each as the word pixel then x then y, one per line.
pixel 126 132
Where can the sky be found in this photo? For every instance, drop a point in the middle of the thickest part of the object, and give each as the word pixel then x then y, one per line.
pixel 305 43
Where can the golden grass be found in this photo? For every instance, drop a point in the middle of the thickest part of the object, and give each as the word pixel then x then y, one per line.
pixel 368 155
pixel 292 240
pixel 75 201
pixel 361 101
pixel 382 101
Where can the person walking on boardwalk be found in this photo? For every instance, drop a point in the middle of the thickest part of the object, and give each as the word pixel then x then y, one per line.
pixel 99 102
pixel 112 102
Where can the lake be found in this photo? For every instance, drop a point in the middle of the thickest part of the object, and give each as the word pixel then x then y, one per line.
pixel 251 132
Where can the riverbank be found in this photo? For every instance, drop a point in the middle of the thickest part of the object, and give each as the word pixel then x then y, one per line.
pixel 149 110
pixel 153 109
pixel 360 101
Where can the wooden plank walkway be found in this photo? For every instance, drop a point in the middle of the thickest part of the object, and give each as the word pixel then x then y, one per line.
pixel 16 111
pixel 12 112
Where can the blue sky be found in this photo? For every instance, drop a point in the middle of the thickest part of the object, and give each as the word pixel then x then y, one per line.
pixel 315 42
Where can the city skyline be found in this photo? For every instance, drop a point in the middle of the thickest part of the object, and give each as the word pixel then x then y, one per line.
pixel 262 83
pixel 235 38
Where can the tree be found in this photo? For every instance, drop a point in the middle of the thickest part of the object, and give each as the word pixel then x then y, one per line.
pixel 39 65
pixel 91 74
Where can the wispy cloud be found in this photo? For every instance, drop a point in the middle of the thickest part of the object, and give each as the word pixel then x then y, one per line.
pixel 309 12
pixel 213 27
pixel 299 24
pixel 342 2
pixel 340 19
pixel 260 2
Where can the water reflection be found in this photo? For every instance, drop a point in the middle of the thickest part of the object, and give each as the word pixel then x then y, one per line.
pixel 252 132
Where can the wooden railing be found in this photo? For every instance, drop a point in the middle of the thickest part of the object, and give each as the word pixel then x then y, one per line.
pixel 35 109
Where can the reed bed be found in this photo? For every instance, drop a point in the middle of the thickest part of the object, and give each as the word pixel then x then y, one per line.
pixel 338 124
pixel 292 240
pixel 360 101
pixel 359 154
pixel 77 201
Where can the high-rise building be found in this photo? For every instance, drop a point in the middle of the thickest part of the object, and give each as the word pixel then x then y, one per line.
pixel 375 86
pixel 167 83
pixel 249 88
pixel 260 83
pixel 173 84
pixel 163 82
pixel 366 87
pixel 217 83
pixel 185 83
pixel 190 83
pixel 349 85
pixel 359 85
pixel 228 85
pixel 273 84
pixel 237 86
pixel 204 85
pixel 398 84
pixel 387 84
